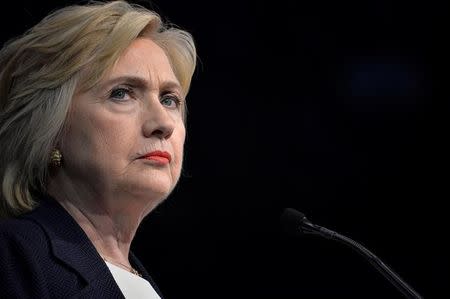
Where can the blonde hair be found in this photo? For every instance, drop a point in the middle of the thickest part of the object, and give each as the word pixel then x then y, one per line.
pixel 41 69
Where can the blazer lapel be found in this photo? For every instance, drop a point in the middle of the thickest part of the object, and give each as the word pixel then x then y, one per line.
pixel 72 247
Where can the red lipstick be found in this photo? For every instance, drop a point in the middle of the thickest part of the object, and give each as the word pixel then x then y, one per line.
pixel 158 156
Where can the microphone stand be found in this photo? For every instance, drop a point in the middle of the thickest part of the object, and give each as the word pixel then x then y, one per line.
pixel 308 228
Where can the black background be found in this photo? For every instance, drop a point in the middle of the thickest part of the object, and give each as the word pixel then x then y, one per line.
pixel 335 108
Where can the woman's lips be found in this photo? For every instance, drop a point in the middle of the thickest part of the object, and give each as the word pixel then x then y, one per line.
pixel 158 156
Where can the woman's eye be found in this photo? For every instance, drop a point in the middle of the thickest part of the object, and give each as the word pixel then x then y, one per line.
pixel 120 94
pixel 170 101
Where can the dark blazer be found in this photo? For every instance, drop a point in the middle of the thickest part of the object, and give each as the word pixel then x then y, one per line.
pixel 46 254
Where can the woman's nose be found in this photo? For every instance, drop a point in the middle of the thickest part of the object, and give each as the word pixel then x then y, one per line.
pixel 158 122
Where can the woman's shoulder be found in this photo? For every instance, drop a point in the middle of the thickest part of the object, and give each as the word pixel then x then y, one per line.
pixel 29 268
pixel 21 232
pixel 36 225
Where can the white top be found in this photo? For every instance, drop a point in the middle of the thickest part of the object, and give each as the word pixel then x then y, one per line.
pixel 132 286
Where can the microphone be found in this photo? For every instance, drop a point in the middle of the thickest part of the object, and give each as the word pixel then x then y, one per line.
pixel 296 223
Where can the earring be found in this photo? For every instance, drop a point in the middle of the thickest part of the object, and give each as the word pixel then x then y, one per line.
pixel 55 158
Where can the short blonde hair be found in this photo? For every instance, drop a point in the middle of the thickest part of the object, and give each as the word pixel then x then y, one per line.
pixel 41 70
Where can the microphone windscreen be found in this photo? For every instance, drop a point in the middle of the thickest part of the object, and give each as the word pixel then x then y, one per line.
pixel 291 221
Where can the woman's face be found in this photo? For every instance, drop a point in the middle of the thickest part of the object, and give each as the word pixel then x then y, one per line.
pixel 125 136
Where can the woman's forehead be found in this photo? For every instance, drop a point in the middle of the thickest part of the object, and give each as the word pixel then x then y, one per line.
pixel 144 58
pixel 143 63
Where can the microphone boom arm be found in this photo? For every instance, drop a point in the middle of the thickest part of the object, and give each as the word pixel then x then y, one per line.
pixel 309 228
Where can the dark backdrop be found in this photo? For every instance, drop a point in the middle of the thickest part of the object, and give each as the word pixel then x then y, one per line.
pixel 335 108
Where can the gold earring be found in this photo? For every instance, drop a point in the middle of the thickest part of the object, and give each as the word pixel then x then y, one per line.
pixel 55 158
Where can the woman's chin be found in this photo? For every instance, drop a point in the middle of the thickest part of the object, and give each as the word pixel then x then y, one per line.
pixel 154 191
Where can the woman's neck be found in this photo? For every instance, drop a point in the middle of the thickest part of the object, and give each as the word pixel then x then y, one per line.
pixel 109 227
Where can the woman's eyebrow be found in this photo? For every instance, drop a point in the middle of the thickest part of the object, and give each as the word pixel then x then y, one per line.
pixel 140 82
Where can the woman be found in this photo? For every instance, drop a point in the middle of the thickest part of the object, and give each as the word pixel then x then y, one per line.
pixel 92 110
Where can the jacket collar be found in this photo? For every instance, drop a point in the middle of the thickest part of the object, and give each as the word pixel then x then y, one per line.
pixel 71 246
